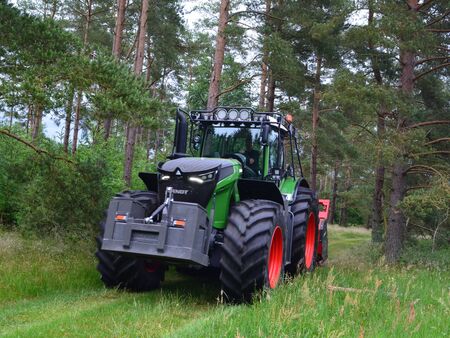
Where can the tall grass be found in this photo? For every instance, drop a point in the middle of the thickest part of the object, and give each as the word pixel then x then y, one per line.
pixel 50 289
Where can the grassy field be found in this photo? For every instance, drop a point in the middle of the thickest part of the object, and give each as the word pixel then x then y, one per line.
pixel 52 289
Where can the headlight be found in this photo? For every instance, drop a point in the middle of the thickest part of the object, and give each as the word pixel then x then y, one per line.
pixel 203 177
pixel 244 114
pixel 196 179
pixel 165 177
pixel 221 114
pixel 233 114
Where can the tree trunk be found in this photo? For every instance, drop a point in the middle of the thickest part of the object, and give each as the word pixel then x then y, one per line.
pixel 36 124
pixel 270 103
pixel 396 222
pixel 11 118
pixel 344 205
pixel 116 49
pixel 214 84
pixel 332 214
pixel 149 144
pixel 54 9
pixel 88 16
pixel 262 87
pixel 156 144
pixel 76 123
pixel 315 121
pixel 68 121
pixel 120 21
pixel 29 122
pixel 138 63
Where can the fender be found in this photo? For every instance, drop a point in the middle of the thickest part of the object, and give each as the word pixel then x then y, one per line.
pixel 150 180
pixel 301 183
pixel 265 190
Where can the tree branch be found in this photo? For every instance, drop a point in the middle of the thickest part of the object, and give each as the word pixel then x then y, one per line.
pixel 419 187
pixel 432 152
pixel 432 59
pixel 438 30
pixel 425 3
pixel 326 110
pixel 236 85
pixel 130 50
pixel 254 12
pixel 432 70
pixel 443 139
pixel 32 146
pixel 429 123
pixel 423 167
pixel 438 19
pixel 364 128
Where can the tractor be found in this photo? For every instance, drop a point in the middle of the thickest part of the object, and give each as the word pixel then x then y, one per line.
pixel 231 197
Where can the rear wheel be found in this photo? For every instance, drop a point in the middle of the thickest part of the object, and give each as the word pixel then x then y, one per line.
pixel 305 233
pixel 253 249
pixel 127 272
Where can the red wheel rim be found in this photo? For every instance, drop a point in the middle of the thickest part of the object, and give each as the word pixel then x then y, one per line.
pixel 275 257
pixel 310 241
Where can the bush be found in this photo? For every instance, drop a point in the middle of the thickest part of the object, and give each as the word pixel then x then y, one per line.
pixel 43 195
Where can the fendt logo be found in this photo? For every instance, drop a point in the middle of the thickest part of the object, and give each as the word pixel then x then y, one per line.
pixel 180 191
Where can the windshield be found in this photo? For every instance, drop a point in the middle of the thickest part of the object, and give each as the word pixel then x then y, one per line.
pixel 243 144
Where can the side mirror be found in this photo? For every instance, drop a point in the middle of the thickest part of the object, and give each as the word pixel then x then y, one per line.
pixel 265 133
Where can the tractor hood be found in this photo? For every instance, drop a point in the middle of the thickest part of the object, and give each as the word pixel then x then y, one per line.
pixel 193 179
pixel 198 165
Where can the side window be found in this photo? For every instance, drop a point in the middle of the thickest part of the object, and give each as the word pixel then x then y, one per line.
pixel 274 152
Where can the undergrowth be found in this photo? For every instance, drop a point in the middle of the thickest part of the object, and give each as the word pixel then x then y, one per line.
pixel 49 287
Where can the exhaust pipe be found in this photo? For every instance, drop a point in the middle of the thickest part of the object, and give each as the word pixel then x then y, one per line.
pixel 181 133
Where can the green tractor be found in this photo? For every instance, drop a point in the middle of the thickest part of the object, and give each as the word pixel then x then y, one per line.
pixel 232 196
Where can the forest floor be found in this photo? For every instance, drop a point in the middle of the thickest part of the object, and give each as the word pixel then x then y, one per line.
pixel 52 289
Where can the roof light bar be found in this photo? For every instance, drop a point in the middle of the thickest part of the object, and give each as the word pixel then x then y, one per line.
pixel 235 114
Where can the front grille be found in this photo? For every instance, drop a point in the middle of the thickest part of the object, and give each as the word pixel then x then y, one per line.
pixel 188 191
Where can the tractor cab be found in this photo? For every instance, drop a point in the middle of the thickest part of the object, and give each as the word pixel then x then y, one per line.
pixel 259 141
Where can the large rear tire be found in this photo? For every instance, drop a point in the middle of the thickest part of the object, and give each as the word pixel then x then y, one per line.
pixel 305 232
pixel 253 249
pixel 127 272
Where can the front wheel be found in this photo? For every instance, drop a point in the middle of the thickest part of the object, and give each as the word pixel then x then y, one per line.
pixel 129 272
pixel 253 250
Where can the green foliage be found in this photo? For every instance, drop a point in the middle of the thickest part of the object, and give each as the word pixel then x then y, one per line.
pixel 42 195
pixel 421 253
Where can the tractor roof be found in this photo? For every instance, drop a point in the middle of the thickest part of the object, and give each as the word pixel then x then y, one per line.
pixel 240 116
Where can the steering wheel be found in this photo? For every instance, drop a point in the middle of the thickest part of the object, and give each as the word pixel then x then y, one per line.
pixel 246 170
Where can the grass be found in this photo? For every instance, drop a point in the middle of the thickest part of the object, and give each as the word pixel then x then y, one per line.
pixel 52 289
